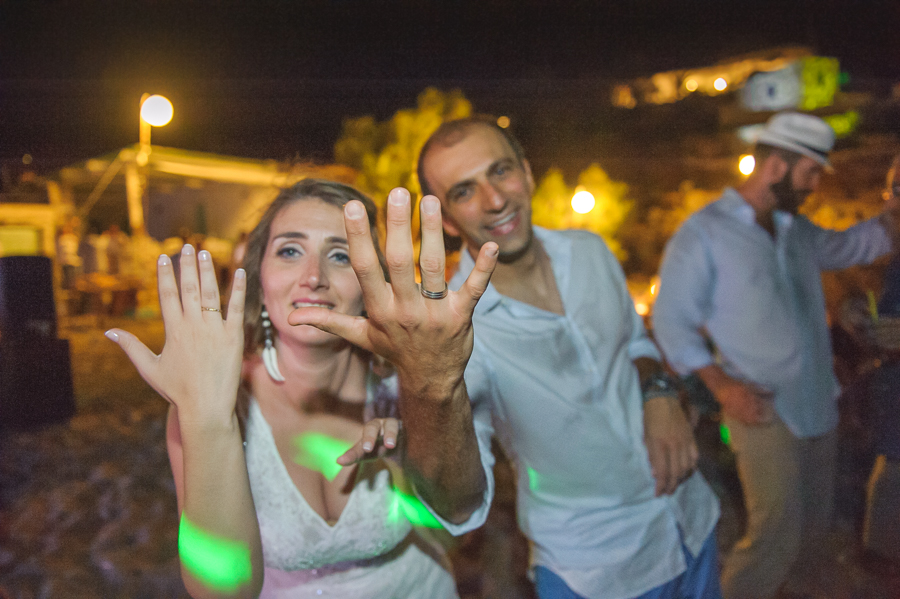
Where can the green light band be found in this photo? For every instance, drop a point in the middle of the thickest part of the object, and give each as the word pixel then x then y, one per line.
pixel 533 477
pixel 219 563
pixel 413 510
pixel 318 452
pixel 725 434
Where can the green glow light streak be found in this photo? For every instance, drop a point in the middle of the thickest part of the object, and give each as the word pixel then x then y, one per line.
pixel 318 452
pixel 533 477
pixel 410 507
pixel 725 434
pixel 221 564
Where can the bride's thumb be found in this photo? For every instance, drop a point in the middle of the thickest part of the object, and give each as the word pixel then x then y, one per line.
pixel 139 354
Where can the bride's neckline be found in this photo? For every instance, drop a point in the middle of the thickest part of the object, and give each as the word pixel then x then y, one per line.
pixel 272 446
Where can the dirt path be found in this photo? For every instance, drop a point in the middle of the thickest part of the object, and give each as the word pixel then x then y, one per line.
pixel 87 509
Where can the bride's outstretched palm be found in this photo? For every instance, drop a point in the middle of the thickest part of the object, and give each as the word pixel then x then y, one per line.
pixel 199 367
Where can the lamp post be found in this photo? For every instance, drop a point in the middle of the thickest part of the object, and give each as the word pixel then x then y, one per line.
pixel 155 111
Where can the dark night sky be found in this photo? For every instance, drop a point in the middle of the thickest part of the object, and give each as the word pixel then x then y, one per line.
pixel 271 79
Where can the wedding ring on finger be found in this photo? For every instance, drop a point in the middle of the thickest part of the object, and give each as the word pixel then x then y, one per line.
pixel 211 309
pixel 435 294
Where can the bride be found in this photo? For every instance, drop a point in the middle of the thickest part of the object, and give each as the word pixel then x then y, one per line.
pixel 266 505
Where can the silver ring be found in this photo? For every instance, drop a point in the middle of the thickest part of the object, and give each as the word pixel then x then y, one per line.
pixel 211 309
pixel 435 294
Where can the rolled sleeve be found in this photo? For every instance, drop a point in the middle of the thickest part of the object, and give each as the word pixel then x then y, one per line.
pixel 641 345
pixel 683 301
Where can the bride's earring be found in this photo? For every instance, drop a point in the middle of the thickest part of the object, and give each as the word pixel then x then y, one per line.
pixel 269 354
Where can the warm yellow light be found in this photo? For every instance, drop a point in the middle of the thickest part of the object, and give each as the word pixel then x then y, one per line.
pixel 641 308
pixel 652 289
pixel 503 122
pixel 720 84
pixel 746 164
pixel 157 111
pixel 583 202
pixel 691 85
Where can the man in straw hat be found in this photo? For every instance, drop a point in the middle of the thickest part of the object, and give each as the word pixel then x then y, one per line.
pixel 744 272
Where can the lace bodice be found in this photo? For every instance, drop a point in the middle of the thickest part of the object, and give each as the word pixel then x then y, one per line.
pixel 372 550
pixel 294 536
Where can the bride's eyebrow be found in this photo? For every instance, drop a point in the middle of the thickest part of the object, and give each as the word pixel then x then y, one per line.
pixel 298 235
pixel 291 235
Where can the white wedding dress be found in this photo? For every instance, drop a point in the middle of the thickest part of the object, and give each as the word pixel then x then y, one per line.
pixel 372 551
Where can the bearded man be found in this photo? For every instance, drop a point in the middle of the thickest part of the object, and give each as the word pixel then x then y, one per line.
pixel 745 274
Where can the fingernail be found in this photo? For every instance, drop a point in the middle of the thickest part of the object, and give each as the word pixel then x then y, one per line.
pixel 163 260
pixel 240 274
pixel 492 250
pixel 367 447
pixel 203 256
pixel 399 197
pixel 389 443
pixel 430 205
pixel 354 210
pixel 187 250
pixel 112 335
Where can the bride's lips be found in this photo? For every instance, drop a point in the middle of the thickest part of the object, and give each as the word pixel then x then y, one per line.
pixel 505 225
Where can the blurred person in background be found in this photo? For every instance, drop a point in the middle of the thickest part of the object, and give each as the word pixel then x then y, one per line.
pixel 67 254
pixel 117 250
pixel 745 273
pixel 881 529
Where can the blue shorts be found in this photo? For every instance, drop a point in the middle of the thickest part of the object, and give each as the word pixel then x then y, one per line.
pixel 699 581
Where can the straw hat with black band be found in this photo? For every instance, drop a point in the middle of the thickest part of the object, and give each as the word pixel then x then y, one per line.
pixel 803 134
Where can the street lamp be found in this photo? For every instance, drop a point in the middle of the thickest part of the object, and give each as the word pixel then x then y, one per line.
pixel 583 202
pixel 155 111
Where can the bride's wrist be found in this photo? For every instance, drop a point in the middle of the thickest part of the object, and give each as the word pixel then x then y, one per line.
pixel 204 422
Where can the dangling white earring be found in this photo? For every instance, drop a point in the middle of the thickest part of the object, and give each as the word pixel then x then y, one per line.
pixel 269 354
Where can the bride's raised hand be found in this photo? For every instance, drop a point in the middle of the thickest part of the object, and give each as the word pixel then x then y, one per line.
pixel 426 335
pixel 199 367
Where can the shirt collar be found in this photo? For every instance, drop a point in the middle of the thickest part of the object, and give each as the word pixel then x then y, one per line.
pixel 558 248
pixel 735 203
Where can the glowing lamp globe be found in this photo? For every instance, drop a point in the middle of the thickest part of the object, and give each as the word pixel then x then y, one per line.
pixel 720 84
pixel 583 202
pixel 746 164
pixel 157 111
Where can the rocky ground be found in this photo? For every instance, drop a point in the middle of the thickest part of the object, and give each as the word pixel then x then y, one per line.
pixel 87 509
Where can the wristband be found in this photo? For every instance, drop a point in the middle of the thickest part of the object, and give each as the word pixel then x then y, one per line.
pixel 658 384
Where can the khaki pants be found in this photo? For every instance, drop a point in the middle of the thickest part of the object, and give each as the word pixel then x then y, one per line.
pixel 788 486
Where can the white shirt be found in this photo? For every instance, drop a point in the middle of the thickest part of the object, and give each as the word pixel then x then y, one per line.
pixel 761 302
pixel 564 398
